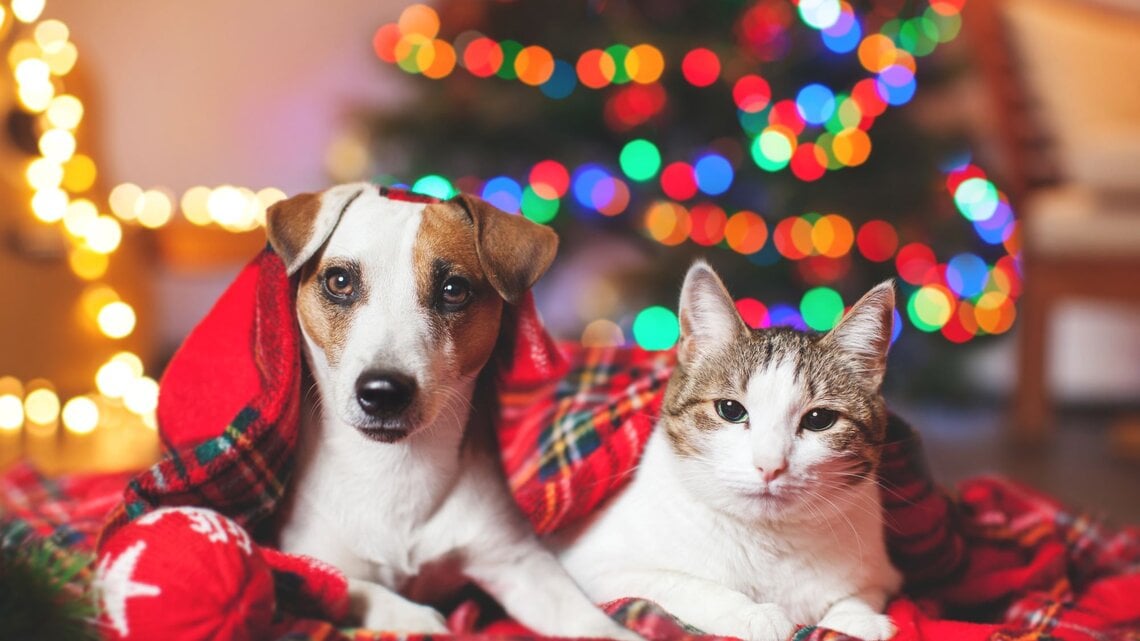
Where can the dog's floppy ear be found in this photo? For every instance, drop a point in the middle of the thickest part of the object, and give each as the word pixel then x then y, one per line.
pixel 513 251
pixel 298 226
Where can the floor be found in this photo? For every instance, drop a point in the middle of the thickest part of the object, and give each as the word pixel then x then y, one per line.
pixel 1078 465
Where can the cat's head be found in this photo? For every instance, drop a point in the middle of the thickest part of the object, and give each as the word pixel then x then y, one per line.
pixel 775 423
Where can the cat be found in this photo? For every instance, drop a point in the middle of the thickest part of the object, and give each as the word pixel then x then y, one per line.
pixel 755 505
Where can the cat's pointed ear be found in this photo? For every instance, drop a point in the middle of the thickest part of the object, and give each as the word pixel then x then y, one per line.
pixel 864 333
pixel 709 320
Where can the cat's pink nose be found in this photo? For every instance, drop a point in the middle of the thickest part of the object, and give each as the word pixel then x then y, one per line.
pixel 772 473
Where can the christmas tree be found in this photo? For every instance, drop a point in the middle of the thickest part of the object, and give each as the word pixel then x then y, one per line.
pixel 769 136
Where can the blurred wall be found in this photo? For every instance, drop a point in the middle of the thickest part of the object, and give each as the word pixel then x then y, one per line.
pixel 220 92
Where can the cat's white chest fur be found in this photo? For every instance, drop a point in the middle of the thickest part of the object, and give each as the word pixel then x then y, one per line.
pixel 656 533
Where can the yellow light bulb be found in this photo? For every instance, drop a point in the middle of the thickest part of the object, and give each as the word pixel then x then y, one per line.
pixel 36 97
pixel 22 50
pixel 195 206
pixel 155 209
pixel 44 174
pixel 116 320
pixel 61 62
pixel 80 415
pixel 57 145
pixel 65 112
pixel 32 71
pixel 79 216
pixel 27 10
pixel 51 35
pixel 41 406
pixel 79 173
pixel 87 264
pixel 142 396
pixel 11 412
pixel 226 205
pixel 131 360
pixel 49 205
pixel 124 199
pixel 114 378
pixel 104 234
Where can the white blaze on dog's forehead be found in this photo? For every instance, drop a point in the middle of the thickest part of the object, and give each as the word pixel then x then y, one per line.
pixel 390 328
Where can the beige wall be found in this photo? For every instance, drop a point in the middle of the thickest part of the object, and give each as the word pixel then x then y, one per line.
pixel 247 92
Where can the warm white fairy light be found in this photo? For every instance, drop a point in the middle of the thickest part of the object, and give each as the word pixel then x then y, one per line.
pixel 44 174
pixel 11 412
pixel 58 178
pixel 142 396
pixel 51 35
pixel 116 320
pixel 79 216
pixel 80 415
pixel 27 10
pixel 65 112
pixel 154 209
pixel 41 406
pixel 49 205
pixel 104 234
pixel 57 145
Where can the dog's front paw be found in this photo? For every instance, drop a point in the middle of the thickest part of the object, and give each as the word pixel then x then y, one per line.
pixel 409 618
pixel 760 622
pixel 866 626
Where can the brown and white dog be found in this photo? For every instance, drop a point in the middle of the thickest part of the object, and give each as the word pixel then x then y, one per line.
pixel 400 305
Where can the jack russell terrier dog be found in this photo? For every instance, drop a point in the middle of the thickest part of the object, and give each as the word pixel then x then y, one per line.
pixel 398 482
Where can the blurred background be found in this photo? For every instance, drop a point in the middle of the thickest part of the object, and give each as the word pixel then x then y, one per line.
pixel 984 153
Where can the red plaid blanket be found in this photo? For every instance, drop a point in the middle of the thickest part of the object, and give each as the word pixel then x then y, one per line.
pixel 998 562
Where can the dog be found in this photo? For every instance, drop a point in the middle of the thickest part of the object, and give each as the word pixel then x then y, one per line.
pixel 398 482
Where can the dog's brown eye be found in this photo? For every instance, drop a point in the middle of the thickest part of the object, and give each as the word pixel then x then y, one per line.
pixel 819 419
pixel 339 283
pixel 455 292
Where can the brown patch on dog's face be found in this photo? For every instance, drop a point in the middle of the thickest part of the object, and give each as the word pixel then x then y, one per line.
pixel 290 224
pixel 325 316
pixel 445 252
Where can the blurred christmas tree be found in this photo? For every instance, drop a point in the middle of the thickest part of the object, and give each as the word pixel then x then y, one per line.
pixel 764 135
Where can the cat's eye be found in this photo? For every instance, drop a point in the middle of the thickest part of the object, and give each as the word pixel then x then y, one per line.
pixel 819 419
pixel 455 293
pixel 731 411
pixel 339 284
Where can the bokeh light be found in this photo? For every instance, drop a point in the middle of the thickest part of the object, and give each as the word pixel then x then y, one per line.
pixel 821 307
pixel 713 174
pixel 746 232
pixel 640 160
pixel 656 328
pixel 700 67
pixel 678 181
pixel 753 312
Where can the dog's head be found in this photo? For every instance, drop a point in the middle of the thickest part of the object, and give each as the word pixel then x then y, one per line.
pixel 400 302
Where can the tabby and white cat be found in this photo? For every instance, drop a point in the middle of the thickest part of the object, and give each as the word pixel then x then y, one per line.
pixel 755 506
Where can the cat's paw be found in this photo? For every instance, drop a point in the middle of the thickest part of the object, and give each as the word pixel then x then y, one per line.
pixel 761 622
pixel 865 626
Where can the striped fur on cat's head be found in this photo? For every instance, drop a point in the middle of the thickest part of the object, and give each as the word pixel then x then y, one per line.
pixel 775 423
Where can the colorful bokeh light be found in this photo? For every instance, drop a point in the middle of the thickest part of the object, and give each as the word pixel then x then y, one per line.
pixel 656 328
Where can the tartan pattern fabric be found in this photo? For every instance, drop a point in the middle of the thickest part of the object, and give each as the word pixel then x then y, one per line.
pixel 571 443
pixel 242 471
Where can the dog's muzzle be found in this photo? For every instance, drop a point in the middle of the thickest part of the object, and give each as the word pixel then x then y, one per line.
pixel 384 396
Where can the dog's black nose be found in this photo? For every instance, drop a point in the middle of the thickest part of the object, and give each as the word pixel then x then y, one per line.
pixel 384 394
